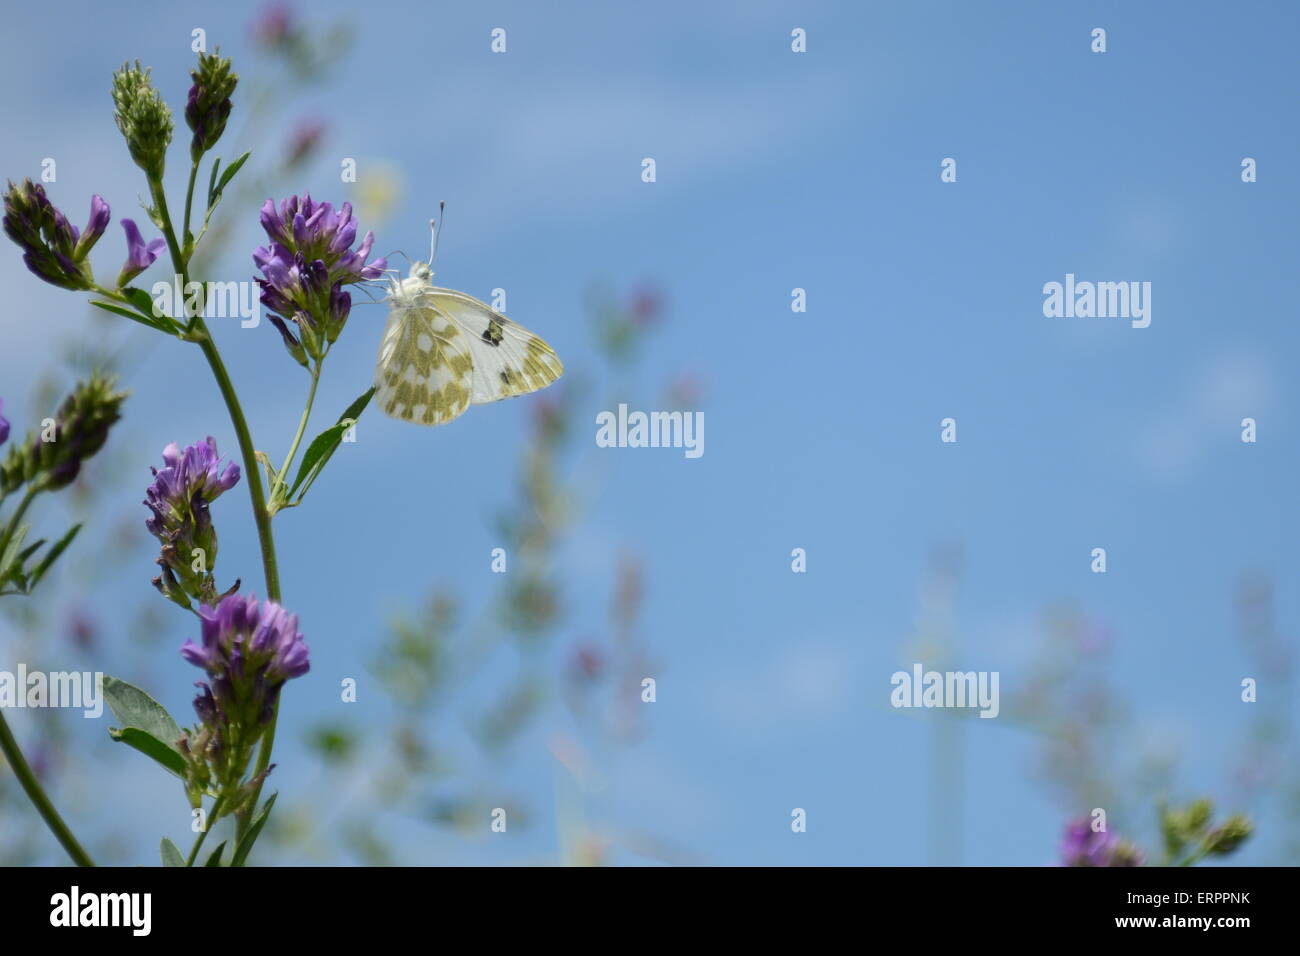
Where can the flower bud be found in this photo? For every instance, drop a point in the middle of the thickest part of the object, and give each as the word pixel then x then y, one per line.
pixel 208 106
pixel 1229 835
pixel 81 427
pixel 143 118
pixel 1196 816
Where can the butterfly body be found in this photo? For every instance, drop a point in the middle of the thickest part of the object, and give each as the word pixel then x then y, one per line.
pixel 444 350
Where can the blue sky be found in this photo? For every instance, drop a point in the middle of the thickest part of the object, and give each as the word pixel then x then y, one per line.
pixel 776 171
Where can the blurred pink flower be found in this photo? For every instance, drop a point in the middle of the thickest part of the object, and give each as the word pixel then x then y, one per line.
pixel 274 24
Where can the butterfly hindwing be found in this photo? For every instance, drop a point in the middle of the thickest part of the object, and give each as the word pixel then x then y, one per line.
pixel 424 371
pixel 508 359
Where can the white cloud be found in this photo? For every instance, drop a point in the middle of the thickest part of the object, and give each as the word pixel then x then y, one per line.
pixel 1232 387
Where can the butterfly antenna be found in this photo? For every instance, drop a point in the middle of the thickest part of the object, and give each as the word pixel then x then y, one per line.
pixel 435 227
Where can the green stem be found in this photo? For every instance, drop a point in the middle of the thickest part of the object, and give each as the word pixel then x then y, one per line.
pixel 247 452
pixel 198 329
pixel 261 517
pixel 160 205
pixel 263 761
pixel 189 202
pixel 268 741
pixel 203 834
pixel 36 794
pixel 281 475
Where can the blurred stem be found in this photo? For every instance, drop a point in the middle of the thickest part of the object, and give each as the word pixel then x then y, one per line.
pixel 36 794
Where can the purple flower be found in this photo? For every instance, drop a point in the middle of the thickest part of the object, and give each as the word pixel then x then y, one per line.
pixel 248 650
pixel 178 498
pixel 140 255
pixel 4 424
pixel 1082 846
pixel 53 248
pixel 304 268
pixel 100 216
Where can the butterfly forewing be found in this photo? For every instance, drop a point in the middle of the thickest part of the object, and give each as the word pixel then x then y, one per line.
pixel 508 359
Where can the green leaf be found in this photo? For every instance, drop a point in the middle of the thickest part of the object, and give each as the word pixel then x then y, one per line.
pixel 215 858
pixel 324 445
pixel 227 176
pixel 212 180
pixel 152 747
pixel 138 711
pixel 8 560
pixel 144 305
pixel 142 301
pixel 51 556
pixel 216 186
pixel 29 551
pixel 156 324
pixel 246 844
pixel 170 855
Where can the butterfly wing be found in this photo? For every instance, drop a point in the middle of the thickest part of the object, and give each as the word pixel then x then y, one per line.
pixel 424 371
pixel 508 359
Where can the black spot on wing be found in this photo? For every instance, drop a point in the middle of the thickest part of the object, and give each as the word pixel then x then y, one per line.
pixel 493 335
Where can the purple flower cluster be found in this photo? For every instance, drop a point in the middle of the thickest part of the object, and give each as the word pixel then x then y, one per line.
pixel 178 499
pixel 248 650
pixel 55 250
pixel 1082 846
pixel 4 424
pixel 305 267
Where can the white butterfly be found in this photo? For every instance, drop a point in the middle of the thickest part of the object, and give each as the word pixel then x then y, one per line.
pixel 444 350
